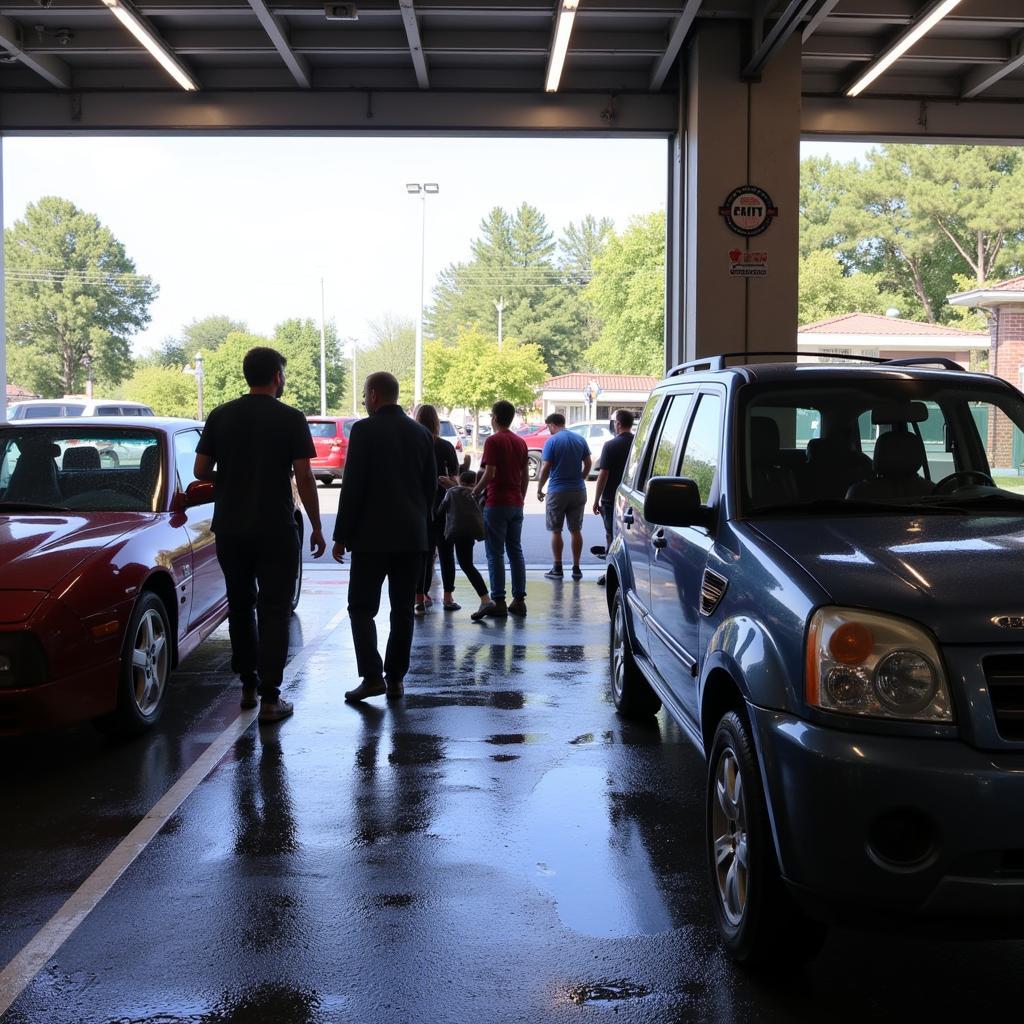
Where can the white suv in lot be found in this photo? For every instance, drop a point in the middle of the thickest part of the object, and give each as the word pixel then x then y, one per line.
pixel 74 405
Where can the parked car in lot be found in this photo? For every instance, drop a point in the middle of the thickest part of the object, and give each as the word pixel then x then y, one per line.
pixel 74 405
pixel 450 434
pixel 109 575
pixel 595 433
pixel 330 438
pixel 815 572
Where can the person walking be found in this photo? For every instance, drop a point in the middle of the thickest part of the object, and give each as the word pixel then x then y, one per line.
pixel 464 526
pixel 566 460
pixel 505 478
pixel 249 448
pixel 611 464
pixel 446 464
pixel 387 497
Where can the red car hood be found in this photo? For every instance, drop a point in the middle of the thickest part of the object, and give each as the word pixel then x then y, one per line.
pixel 37 552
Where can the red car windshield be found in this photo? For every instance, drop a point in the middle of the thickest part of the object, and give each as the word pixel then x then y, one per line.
pixel 79 470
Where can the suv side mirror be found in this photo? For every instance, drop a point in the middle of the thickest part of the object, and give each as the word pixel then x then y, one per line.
pixel 199 492
pixel 674 501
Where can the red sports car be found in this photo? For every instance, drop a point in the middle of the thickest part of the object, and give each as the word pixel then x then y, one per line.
pixel 108 571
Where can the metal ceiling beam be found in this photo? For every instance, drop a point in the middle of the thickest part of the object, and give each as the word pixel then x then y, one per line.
pixel 55 71
pixel 785 25
pixel 981 79
pixel 902 12
pixel 817 18
pixel 931 48
pixel 412 32
pixel 278 34
pixel 677 36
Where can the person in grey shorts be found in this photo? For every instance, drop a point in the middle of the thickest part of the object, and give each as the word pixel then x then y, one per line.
pixel 566 462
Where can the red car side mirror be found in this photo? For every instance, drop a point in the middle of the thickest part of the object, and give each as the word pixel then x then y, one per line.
pixel 199 492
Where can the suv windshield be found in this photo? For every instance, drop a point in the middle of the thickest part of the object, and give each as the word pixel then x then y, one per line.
pixel 102 470
pixel 862 446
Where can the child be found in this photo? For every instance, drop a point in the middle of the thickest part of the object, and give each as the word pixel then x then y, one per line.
pixel 463 526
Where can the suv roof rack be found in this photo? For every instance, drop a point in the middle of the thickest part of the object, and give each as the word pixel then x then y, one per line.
pixel 942 361
pixel 717 362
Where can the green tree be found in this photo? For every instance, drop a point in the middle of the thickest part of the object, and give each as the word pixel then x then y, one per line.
pixel 513 263
pixel 827 291
pixel 204 335
pixel 73 295
pixel 299 342
pixel 223 379
pixel 165 388
pixel 628 293
pixel 392 349
pixel 474 373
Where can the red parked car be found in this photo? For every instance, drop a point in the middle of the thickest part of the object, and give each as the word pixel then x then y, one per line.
pixel 330 437
pixel 108 574
pixel 534 437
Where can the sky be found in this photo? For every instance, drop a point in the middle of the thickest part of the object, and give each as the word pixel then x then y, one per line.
pixel 247 227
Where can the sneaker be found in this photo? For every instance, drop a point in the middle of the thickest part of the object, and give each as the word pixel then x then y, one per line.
pixel 367 688
pixel 419 608
pixel 517 607
pixel 554 573
pixel 601 580
pixel 577 572
pixel 494 610
pixel 599 550
pixel 275 710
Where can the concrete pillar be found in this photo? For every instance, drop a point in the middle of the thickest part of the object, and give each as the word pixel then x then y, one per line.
pixel 3 308
pixel 734 133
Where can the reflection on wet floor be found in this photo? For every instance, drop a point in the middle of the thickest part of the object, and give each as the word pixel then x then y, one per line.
pixel 498 847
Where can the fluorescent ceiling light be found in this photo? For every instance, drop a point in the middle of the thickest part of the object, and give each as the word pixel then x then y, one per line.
pixel 128 17
pixel 563 29
pixel 925 22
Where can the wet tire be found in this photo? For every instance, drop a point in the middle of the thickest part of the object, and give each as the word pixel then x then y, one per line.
pixel 533 465
pixel 145 670
pixel 757 920
pixel 631 692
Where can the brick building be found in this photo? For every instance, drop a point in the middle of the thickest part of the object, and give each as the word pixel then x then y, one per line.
pixel 1004 305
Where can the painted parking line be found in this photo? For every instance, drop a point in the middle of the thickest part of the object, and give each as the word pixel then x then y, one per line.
pixel 40 949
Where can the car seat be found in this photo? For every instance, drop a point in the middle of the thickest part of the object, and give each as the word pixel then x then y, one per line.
pixel 149 471
pixel 899 455
pixel 771 482
pixel 833 466
pixel 81 457
pixel 34 477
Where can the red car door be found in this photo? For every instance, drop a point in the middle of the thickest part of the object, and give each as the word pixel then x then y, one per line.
pixel 208 591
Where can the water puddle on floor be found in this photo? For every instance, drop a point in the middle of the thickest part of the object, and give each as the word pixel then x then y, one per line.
pixel 590 859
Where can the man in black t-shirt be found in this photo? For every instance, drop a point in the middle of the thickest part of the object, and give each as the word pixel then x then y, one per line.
pixel 612 465
pixel 250 447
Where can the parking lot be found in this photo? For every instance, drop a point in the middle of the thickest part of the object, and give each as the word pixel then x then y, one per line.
pixel 499 847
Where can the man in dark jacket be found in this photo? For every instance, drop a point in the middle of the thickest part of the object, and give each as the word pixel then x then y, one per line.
pixel 387 494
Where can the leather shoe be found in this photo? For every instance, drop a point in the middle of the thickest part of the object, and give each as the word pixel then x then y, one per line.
pixel 395 690
pixel 367 688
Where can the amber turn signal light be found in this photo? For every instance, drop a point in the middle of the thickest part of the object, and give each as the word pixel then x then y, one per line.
pixel 851 643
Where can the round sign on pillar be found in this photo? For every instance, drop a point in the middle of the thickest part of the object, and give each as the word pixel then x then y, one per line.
pixel 748 210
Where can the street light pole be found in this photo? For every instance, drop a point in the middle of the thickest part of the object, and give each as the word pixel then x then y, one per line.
pixel 355 394
pixel 199 383
pixel 323 354
pixel 422 190
pixel 500 307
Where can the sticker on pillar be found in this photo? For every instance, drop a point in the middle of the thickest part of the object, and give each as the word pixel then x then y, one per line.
pixel 748 264
pixel 748 210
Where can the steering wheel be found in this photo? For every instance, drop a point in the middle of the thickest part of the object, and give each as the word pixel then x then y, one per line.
pixel 951 483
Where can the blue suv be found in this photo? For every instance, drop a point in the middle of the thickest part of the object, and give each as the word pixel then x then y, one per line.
pixel 817 570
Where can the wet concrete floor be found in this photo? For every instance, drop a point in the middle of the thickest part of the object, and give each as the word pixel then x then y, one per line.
pixel 499 847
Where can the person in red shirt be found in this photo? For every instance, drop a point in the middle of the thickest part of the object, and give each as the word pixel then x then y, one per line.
pixel 505 478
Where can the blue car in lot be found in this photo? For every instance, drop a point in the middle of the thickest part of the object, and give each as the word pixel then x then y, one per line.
pixel 817 570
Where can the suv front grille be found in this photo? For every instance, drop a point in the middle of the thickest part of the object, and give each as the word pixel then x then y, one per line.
pixel 1004 674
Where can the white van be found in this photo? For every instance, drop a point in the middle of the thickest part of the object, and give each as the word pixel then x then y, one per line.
pixel 74 405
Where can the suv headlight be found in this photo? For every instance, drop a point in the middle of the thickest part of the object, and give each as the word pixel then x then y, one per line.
pixel 863 663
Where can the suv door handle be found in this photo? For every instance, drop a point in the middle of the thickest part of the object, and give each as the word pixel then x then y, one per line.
pixel 627 517
pixel 659 540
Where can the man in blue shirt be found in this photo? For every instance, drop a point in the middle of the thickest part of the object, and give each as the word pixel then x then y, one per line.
pixel 566 461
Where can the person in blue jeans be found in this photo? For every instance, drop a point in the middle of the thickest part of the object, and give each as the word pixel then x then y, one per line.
pixel 505 478
pixel 566 459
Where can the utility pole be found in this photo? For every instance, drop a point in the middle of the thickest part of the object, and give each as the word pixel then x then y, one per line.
pixel 199 383
pixel 500 307
pixel 355 408
pixel 323 354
